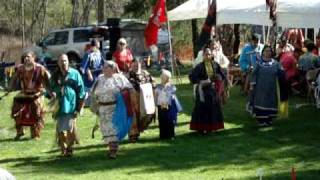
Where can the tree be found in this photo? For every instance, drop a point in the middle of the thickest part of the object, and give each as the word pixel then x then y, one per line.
pixel 116 8
pixel 87 6
pixel 22 22
pixel 75 13
pixel 45 2
pixel 100 10
pixel 36 12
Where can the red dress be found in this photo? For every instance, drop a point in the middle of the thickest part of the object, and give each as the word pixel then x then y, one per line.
pixel 123 59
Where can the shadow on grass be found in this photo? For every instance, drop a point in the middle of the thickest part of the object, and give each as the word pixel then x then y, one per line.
pixel 155 125
pixel 237 147
pixel 22 160
pixel 241 147
pixel 300 174
pixel 13 140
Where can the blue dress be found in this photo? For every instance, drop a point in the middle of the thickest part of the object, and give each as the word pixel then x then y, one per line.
pixel 267 78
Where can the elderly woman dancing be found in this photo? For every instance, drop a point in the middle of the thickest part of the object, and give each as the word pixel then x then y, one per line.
pixel 108 94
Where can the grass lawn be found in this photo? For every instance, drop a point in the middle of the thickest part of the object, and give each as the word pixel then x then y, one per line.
pixel 237 152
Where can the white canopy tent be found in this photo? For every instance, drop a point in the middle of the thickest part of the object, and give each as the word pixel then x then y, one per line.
pixel 299 14
pixel 290 13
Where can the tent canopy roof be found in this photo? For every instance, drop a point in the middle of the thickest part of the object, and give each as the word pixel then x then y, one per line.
pixel 290 13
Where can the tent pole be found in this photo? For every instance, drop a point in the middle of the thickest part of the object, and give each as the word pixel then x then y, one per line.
pixel 268 33
pixel 305 33
pixel 264 34
pixel 170 47
pixel 314 35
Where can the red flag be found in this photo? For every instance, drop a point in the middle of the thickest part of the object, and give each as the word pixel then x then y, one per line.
pixel 157 17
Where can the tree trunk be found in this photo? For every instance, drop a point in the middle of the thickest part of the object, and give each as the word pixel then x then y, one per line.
pixel 236 43
pixel 86 6
pixel 35 17
pixel 30 33
pixel 22 22
pixel 225 35
pixel 100 10
pixel 195 36
pixel 45 4
pixel 75 13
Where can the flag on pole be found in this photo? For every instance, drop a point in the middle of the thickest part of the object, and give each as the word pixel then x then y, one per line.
pixel 272 4
pixel 211 20
pixel 157 17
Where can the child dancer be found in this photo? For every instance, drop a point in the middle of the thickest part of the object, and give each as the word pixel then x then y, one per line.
pixel 167 106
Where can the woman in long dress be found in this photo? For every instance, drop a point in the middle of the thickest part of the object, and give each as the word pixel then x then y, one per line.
pixel 141 121
pixel 267 77
pixel 167 110
pixel 106 91
pixel 207 114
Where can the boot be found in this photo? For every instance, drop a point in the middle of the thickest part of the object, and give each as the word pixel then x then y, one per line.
pixel 20 132
pixel 113 149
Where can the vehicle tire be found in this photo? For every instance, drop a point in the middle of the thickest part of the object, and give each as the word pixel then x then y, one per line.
pixel 74 60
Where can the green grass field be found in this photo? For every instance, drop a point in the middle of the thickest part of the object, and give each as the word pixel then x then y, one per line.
pixel 237 152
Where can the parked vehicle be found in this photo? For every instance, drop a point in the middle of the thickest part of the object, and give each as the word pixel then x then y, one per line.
pixel 73 41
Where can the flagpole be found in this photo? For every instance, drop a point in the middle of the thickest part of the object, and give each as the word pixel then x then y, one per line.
pixel 170 48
